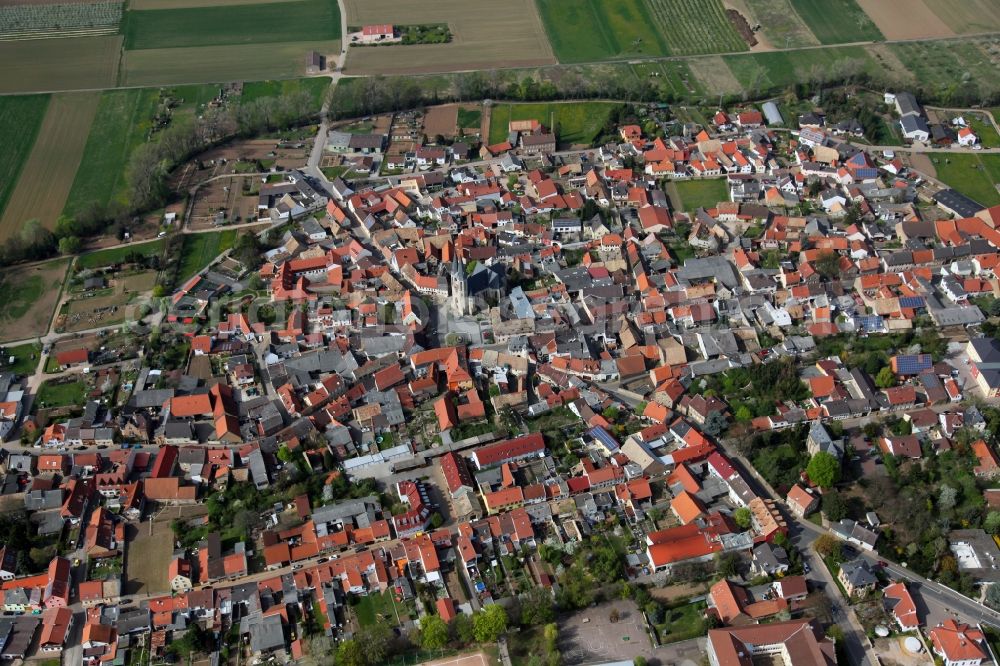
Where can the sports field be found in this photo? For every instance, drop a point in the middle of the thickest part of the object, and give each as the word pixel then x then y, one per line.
pixel 973 175
pixel 31 295
pixel 304 20
pixel 20 118
pixel 213 64
pixel 837 21
pixel 485 35
pixel 48 173
pixel 575 123
pixel 780 24
pixel 71 63
pixel 123 119
pixel 588 30
pixel 691 27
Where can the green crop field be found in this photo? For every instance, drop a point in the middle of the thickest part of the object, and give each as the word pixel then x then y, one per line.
pixel 692 27
pixel 575 122
pixel 68 63
pixel 837 21
pixel 121 125
pixel 306 20
pixel 973 175
pixel 587 30
pixel 695 194
pixel 762 71
pixel 20 118
pixel 110 257
pixel 317 89
pixel 199 249
pixel 215 64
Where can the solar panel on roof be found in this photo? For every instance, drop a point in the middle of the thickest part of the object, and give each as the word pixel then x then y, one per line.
pixel 913 364
pixel 911 301
pixel 604 437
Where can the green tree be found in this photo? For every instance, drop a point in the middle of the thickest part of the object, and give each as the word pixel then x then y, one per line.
pixel 992 522
pixel 829 546
pixel 69 245
pixel 834 506
pixel 742 517
pixel 349 653
pixel 490 624
pixel 824 469
pixel 885 378
pixel 827 264
pixel 639 661
pixel 536 607
pixel 993 596
pixel 461 629
pixel 433 632
pixel 374 642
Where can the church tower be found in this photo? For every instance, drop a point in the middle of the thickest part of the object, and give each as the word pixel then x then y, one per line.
pixel 459 287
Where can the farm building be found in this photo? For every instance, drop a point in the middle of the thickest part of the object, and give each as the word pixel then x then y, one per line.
pixel 772 114
pixel 371 34
pixel 315 62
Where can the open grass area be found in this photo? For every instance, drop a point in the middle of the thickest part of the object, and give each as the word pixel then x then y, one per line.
pixel 468 118
pixel 306 20
pixel 149 553
pixel 682 622
pixel 31 296
pixel 381 608
pixel 946 64
pixel 316 88
pixel 973 175
pixel 121 125
pixel 574 123
pixel 116 255
pixel 25 356
pixel 691 27
pixel 837 21
pixel 69 63
pixel 200 249
pixel 984 129
pixel 20 118
pixel 705 193
pixel 48 173
pixel 52 394
pixel 588 30
pixel 214 64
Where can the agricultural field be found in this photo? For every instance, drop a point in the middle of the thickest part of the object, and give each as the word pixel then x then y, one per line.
pixel 921 21
pixel 782 27
pixel 575 123
pixel 837 21
pixel 305 20
pixel 973 175
pixel 47 175
pixel 713 73
pixel 777 69
pixel 32 295
pixel 485 35
pixel 695 194
pixel 692 27
pixel 200 249
pixel 588 30
pixel 968 16
pixel 71 63
pixel 211 64
pixel 950 64
pixel 20 118
pixel 44 20
pixel 186 4
pixel 123 120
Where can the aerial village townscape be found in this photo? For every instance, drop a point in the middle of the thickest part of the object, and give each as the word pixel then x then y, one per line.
pixel 482 333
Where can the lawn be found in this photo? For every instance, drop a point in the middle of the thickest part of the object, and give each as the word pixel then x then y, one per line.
pixel 61 395
pixel 316 88
pixel 692 27
pixel 574 122
pixel 984 129
pixel 377 608
pixel 200 249
pixel 705 193
pixel 307 20
pixel 25 358
pixel 682 622
pixel 837 21
pixel 20 118
pixel 116 255
pixel 588 30
pixel 469 117
pixel 971 174
pixel 123 120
